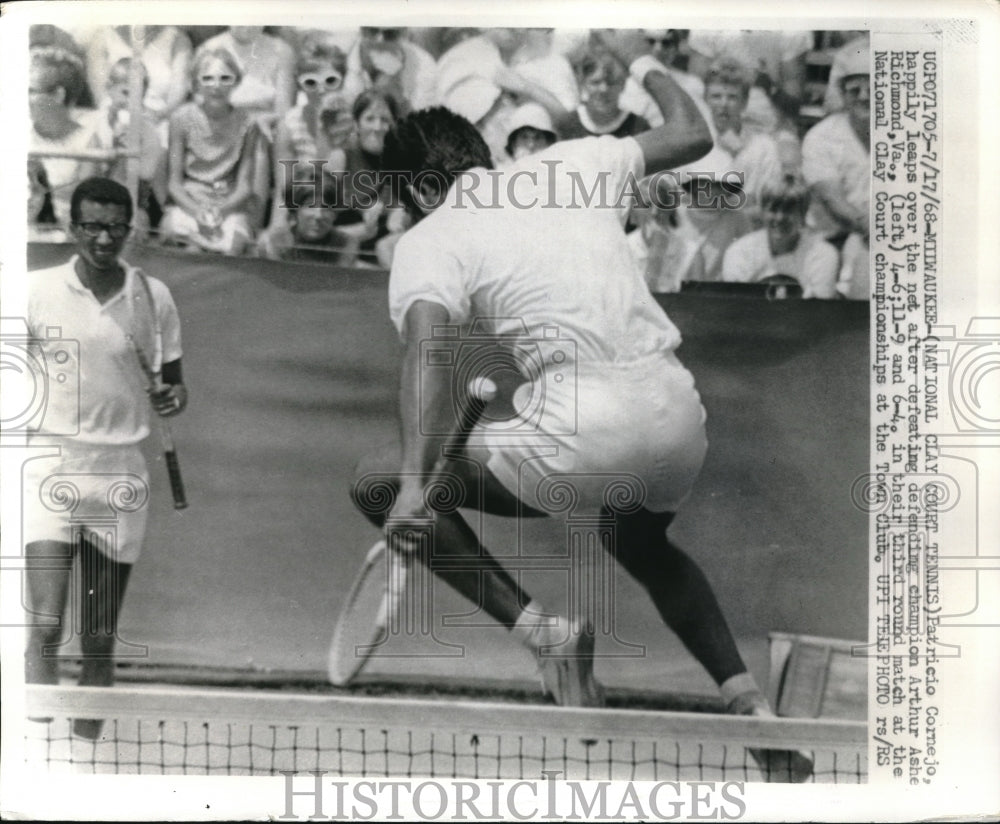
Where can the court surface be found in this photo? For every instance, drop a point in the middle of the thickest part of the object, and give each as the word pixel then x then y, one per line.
pixel 293 374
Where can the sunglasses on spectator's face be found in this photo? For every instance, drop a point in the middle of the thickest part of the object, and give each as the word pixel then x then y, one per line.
pixel 311 82
pixel 665 42
pixel 217 80
pixel 116 231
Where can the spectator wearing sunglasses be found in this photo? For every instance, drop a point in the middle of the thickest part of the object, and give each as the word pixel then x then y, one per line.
pixel 664 45
pixel 267 69
pixel 836 161
pixel 386 60
pixel 214 149
pixel 318 129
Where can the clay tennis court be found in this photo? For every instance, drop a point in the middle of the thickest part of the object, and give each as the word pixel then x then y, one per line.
pixel 293 373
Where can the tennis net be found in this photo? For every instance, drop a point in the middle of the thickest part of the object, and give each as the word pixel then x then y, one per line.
pixel 235 732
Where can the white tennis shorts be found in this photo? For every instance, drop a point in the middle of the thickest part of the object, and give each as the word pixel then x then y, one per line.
pixel 101 491
pixel 628 435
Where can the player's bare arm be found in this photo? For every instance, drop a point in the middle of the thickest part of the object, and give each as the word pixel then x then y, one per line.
pixel 423 396
pixel 684 136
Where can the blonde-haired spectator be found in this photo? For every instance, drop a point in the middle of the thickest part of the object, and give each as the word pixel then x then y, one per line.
pixel 777 60
pixel 113 125
pixel 214 149
pixel 267 65
pixel 785 246
pixel 165 52
pixel 602 79
pixel 760 157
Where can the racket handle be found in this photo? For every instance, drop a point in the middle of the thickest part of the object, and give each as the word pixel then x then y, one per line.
pixel 176 481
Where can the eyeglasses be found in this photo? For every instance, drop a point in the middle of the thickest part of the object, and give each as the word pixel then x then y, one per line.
pixel 662 41
pixel 312 81
pixel 217 80
pixel 91 229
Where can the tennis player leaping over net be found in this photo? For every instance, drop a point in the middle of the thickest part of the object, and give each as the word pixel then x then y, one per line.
pixel 635 409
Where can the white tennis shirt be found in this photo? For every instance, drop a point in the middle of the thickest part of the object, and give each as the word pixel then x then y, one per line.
pixel 520 245
pixel 96 389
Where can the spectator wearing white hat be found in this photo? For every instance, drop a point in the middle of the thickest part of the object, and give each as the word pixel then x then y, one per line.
pixel 531 131
pixel 836 161
pixel 475 81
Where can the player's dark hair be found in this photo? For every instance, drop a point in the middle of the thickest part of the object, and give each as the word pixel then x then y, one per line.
pixel 100 190
pixel 435 141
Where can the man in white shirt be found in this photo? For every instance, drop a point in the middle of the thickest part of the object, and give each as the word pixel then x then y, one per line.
pixel 89 318
pixel 558 284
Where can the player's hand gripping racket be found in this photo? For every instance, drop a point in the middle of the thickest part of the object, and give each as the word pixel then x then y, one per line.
pixel 166 439
pixel 377 592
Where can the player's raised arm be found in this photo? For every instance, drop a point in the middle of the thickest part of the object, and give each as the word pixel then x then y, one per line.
pixel 684 136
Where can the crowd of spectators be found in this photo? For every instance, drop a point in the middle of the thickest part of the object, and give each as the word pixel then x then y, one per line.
pixel 242 126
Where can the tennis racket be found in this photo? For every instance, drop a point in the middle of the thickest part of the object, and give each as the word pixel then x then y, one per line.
pixel 376 595
pixel 166 438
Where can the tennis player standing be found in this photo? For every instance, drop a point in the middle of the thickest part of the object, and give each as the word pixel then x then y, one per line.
pixel 88 317
pixel 525 265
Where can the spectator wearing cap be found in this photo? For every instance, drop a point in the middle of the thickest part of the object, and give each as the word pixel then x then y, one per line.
pixel 785 246
pixel 833 101
pixel 836 166
pixel 777 60
pixel 386 60
pixel 758 156
pixel 55 80
pixel 475 81
pixel 531 131
pixel 602 79
pixel 663 46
